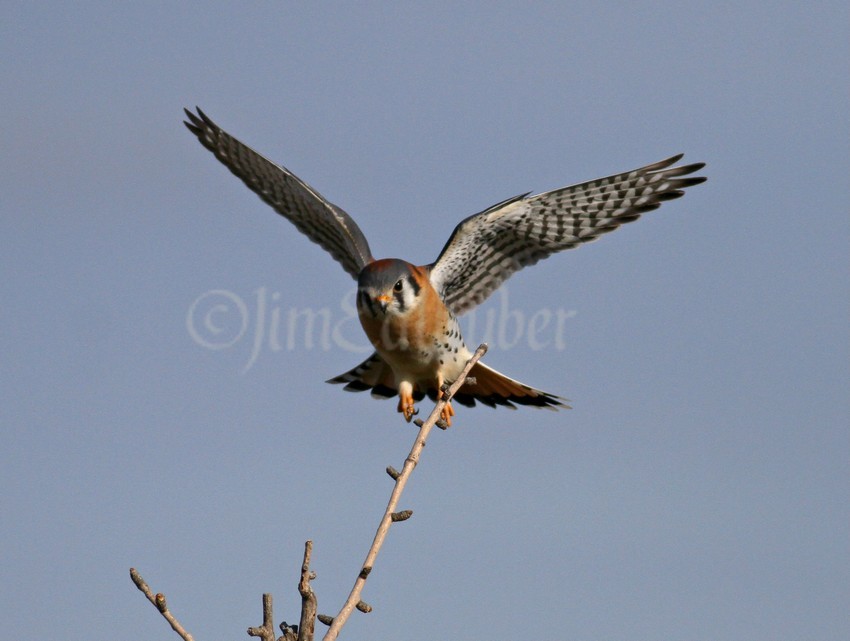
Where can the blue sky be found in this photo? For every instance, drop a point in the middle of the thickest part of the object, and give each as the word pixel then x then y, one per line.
pixel 697 490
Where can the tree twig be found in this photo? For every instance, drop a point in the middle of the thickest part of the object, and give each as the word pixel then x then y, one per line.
pixel 265 631
pixel 308 597
pixel 304 632
pixel 400 482
pixel 159 603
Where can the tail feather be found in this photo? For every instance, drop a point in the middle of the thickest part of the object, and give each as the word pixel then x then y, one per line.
pixel 492 388
pixel 484 385
pixel 372 374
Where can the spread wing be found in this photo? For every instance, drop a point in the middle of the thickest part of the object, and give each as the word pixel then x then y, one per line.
pixel 486 249
pixel 321 221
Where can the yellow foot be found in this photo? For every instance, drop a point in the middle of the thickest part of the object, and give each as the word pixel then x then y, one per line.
pixel 406 407
pixel 447 413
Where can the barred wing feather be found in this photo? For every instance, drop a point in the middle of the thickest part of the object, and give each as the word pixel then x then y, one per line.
pixel 486 249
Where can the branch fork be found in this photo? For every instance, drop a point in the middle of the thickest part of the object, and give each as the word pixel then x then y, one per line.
pixel 304 631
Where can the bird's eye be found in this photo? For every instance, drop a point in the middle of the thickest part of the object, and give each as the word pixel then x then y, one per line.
pixel 397 287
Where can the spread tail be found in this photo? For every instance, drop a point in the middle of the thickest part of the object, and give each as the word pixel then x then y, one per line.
pixel 484 384
pixel 492 388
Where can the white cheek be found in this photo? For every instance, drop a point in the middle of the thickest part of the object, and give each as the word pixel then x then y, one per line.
pixel 411 301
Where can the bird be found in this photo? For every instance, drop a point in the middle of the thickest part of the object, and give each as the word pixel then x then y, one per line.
pixel 410 312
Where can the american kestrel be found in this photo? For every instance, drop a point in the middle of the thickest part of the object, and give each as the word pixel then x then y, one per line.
pixel 410 312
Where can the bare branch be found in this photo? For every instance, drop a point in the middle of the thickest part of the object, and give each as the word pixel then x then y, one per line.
pixel 308 597
pixel 302 632
pixel 266 631
pixel 290 632
pixel 400 482
pixel 305 630
pixel 160 604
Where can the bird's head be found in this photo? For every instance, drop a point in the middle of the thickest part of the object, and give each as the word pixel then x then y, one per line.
pixel 388 287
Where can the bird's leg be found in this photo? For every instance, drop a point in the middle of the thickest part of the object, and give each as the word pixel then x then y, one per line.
pixel 405 400
pixel 447 412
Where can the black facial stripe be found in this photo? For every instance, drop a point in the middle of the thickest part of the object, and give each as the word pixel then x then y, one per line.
pixel 414 285
pixel 366 301
pixel 400 298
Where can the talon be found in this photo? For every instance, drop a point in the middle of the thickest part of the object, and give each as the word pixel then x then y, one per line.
pixel 447 413
pixel 406 407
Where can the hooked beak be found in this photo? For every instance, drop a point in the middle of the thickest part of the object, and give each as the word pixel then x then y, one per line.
pixel 383 300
